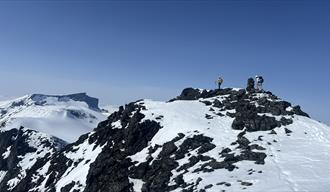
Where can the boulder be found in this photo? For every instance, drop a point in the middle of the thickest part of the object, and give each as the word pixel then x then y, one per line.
pixel 189 94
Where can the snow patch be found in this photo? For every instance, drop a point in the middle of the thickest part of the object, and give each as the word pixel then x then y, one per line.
pixel 6 154
pixel 137 184
pixel 84 155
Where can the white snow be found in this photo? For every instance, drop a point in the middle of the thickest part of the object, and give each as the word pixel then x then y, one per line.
pixel 116 124
pixel 7 153
pixel 53 117
pixel 41 172
pixel 84 156
pixel 29 159
pixel 187 117
pixel 13 182
pixel 137 184
pixel 298 162
pixel 109 109
pixel 2 175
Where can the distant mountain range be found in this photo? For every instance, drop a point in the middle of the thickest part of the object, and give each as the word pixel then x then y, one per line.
pixel 66 117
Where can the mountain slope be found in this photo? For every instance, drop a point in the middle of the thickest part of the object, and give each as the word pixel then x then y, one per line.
pixel 203 140
pixel 66 117
pixel 20 150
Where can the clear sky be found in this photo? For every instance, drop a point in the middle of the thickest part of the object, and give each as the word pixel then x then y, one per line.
pixel 120 51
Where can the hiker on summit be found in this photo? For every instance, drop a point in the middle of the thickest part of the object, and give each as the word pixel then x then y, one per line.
pixel 219 81
pixel 260 81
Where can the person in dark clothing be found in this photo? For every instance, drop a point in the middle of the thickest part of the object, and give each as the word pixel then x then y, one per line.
pixel 250 85
pixel 219 82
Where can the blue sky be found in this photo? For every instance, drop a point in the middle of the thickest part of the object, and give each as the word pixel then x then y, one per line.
pixel 121 51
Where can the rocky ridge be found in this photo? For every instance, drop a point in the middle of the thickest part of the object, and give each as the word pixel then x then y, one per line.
pixel 203 140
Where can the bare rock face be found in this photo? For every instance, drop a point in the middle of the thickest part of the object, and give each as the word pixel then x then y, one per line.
pixel 110 170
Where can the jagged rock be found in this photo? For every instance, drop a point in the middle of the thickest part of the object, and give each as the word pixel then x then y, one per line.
pixel 258 157
pixel 168 149
pixel 208 186
pixel 245 183
pixel 19 142
pixel 284 121
pixel 297 110
pixel 159 117
pixel 207 116
pixel 232 115
pixel 287 131
pixel 207 103
pixel 224 183
pixel 274 107
pixel 68 187
pixel 112 162
pixel 247 117
pixel 189 94
pixel 225 151
pixel 273 132
pixel 243 142
pixel 217 103
pixel 241 134
pixel 257 147
pixel 205 148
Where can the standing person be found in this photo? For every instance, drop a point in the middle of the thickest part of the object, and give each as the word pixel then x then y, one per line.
pixel 250 85
pixel 219 81
pixel 260 81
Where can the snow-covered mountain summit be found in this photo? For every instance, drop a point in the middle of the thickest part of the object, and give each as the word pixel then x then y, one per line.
pixel 92 103
pixel 203 140
pixel 66 117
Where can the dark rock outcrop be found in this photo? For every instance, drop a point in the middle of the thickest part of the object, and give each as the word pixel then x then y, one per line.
pixel 297 110
pixel 189 94
pixel 246 117
pixel 110 171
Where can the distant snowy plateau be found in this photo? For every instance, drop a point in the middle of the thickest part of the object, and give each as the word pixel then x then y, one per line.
pixel 200 141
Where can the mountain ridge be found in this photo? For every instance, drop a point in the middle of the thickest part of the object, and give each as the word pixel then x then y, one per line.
pixel 203 140
pixel 93 103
